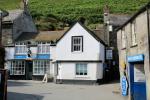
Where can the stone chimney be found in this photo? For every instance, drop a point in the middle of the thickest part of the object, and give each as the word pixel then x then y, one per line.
pixel 25 4
pixel 106 14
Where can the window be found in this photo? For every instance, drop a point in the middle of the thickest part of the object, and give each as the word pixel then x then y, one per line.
pixel 133 34
pixel 77 44
pixel 81 69
pixel 123 38
pixel 43 48
pixel 17 68
pixel 40 67
pixel 20 48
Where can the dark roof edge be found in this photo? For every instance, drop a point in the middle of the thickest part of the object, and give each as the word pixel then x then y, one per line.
pixel 72 61
pixel 88 30
pixel 135 15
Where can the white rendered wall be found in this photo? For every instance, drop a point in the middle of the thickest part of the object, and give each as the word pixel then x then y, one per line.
pixel 67 71
pixel 10 51
pixel 91 47
pixel 102 52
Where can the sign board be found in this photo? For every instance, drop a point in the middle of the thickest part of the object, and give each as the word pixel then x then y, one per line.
pixel 135 58
pixel 43 56
pixel 139 74
pixel 109 54
pixel 124 86
pixel 20 57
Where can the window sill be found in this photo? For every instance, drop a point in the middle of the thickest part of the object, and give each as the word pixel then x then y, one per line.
pixel 38 74
pixel 76 52
pixel 133 46
pixel 17 74
pixel 20 53
pixel 82 76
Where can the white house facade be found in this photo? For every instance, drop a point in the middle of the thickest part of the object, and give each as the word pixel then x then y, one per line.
pixel 80 55
pixel 76 55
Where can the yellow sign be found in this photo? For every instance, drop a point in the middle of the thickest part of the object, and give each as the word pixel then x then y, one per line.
pixel 123 65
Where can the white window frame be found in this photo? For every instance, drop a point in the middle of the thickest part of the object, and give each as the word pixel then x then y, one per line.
pixel 43 48
pixel 123 38
pixel 16 69
pixel 82 70
pixel 20 48
pixel 77 43
pixel 133 34
pixel 41 67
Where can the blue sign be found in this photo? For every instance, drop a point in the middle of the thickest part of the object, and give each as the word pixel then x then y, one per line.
pixel 20 56
pixel 124 86
pixel 43 56
pixel 135 58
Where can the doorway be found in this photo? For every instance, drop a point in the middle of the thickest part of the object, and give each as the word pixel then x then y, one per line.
pixel 29 70
pixel 137 81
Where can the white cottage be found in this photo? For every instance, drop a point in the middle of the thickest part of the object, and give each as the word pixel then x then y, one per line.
pixel 80 55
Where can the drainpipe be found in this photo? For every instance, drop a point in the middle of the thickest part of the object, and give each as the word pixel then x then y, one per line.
pixel 148 30
pixel 148 24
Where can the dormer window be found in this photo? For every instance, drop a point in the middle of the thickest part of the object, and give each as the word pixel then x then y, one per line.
pixel 20 48
pixel 77 44
pixel 43 48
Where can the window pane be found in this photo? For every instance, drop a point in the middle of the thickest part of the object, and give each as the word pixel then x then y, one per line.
pixel 81 69
pixel 77 43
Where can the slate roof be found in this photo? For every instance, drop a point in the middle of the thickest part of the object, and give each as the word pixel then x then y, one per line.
pixel 135 15
pixel 118 20
pixel 49 35
pixel 26 36
pixel 100 33
pixel 13 14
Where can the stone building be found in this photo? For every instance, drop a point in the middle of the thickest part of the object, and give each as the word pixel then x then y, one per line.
pixel 17 22
pixel 111 23
pixel 134 60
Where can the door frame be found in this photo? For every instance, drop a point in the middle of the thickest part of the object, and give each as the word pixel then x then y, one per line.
pixel 132 60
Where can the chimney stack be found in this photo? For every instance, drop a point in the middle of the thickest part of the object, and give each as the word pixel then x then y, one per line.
pixel 25 4
pixel 106 14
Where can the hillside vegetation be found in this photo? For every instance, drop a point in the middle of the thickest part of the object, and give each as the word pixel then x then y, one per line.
pixel 10 4
pixel 54 14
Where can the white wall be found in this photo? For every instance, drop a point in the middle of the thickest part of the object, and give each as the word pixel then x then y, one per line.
pixel 102 52
pixel 91 47
pixel 53 52
pixel 10 51
pixel 67 71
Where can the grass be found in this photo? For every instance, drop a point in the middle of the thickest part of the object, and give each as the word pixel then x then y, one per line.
pixel 9 4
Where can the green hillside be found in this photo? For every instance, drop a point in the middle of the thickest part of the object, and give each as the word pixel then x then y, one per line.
pixel 10 4
pixel 54 14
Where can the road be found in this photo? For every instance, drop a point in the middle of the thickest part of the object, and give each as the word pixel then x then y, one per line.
pixel 36 90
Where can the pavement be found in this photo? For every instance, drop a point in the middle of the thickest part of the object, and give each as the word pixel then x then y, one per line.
pixel 36 90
